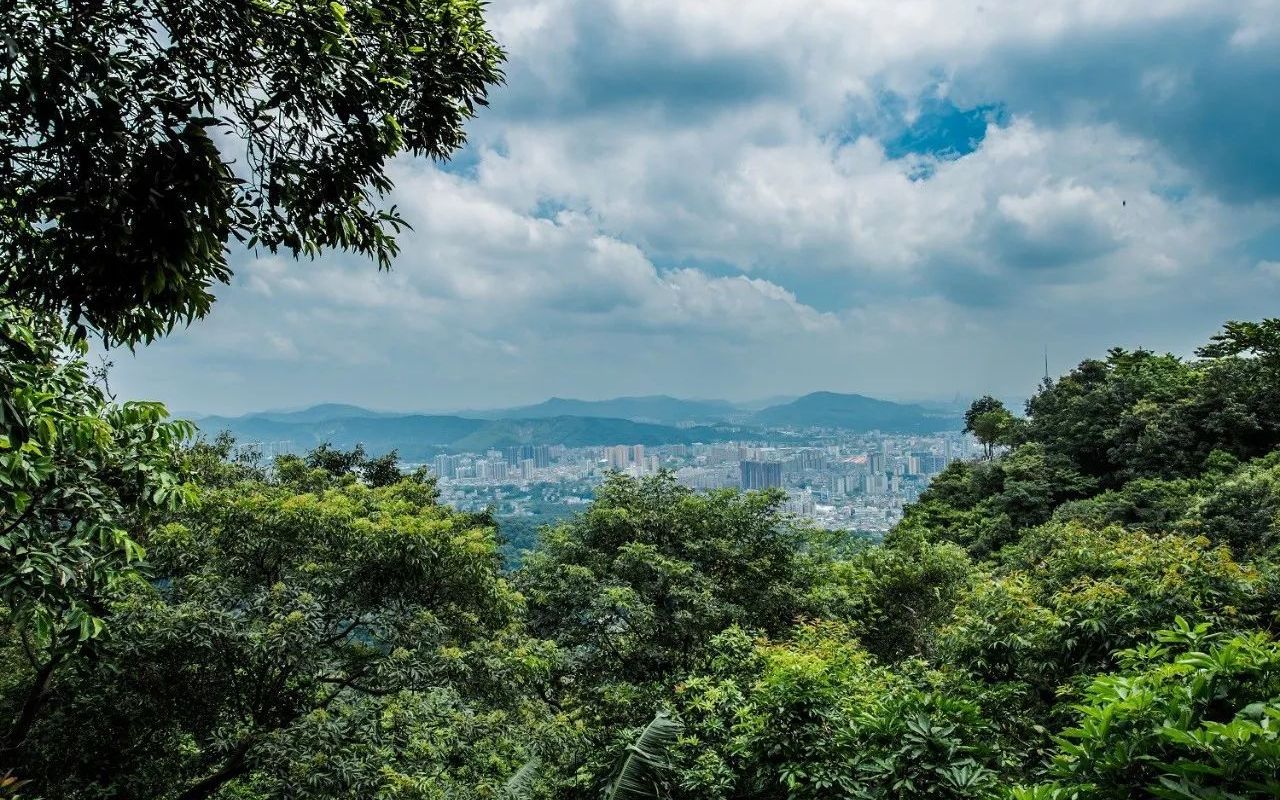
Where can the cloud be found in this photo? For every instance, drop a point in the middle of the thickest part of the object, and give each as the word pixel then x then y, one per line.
pixel 744 197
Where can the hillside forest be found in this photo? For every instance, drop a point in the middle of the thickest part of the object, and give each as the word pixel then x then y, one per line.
pixel 1089 613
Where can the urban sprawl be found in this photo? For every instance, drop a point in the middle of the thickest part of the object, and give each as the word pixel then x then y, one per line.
pixel 850 482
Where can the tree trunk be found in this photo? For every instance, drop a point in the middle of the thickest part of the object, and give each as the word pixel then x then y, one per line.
pixel 26 718
pixel 235 766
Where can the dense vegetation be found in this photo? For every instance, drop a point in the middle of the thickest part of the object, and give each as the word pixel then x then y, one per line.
pixel 1087 613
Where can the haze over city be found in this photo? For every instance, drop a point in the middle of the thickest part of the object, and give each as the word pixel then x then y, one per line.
pixel 746 199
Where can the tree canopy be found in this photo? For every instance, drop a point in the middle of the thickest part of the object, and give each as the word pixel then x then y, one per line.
pixel 1089 612
pixel 139 138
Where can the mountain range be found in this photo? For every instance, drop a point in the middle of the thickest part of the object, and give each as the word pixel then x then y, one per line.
pixel 659 409
pixel 652 420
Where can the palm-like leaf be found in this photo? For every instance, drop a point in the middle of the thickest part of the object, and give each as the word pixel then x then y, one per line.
pixel 520 785
pixel 639 776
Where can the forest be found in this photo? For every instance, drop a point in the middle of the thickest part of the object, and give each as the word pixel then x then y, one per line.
pixel 1088 611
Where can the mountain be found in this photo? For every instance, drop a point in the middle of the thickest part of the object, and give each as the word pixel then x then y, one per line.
pixel 573 423
pixel 420 436
pixel 323 412
pixel 854 412
pixel 660 409
pixel 584 432
pixel 764 402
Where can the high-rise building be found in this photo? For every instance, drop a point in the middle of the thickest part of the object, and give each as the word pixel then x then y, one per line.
pixel 761 474
pixel 837 486
pixel 637 455
pixel 808 459
pixel 526 469
pixel 875 483
pixel 618 456
pixel 542 455
pixel 446 466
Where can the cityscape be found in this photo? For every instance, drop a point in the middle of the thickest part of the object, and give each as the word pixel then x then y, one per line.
pixel 844 481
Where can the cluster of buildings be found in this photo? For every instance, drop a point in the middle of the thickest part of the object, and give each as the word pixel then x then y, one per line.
pixel 515 463
pixel 838 480
pixel 849 481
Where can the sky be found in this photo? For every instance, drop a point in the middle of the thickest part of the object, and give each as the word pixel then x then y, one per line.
pixel 909 199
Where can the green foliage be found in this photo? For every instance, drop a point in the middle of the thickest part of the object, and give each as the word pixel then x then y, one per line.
pixel 1192 718
pixel 1071 595
pixel 1242 511
pixel 984 506
pixel 1148 504
pixel 1118 418
pixel 139 136
pixel 320 627
pixel 897 596
pixel 80 477
pixel 347 641
pixel 991 423
pixel 636 585
pixel 815 717
pixel 643 772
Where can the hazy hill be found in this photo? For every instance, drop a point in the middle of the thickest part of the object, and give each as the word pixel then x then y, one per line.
pixel 661 409
pixel 321 413
pixel 583 432
pixel 854 412
pixel 419 436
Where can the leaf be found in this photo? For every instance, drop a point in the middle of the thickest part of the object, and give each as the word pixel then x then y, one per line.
pixel 638 775
pixel 520 785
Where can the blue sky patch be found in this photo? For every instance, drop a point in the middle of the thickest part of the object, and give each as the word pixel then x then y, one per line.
pixel 942 130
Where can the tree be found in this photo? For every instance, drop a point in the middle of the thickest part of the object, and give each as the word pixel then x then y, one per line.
pixel 1122 417
pixel 333 461
pixel 1194 716
pixel 139 137
pixel 636 585
pixel 80 479
pixel 383 470
pixel 814 716
pixel 352 641
pixel 990 422
pixel 1069 596
pixel 977 408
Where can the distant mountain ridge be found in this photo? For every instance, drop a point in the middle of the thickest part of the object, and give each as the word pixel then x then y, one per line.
pixel 855 412
pixel 659 408
pixel 420 436
pixel 650 420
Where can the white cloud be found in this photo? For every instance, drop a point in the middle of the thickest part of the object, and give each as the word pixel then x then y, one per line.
pixel 694 197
